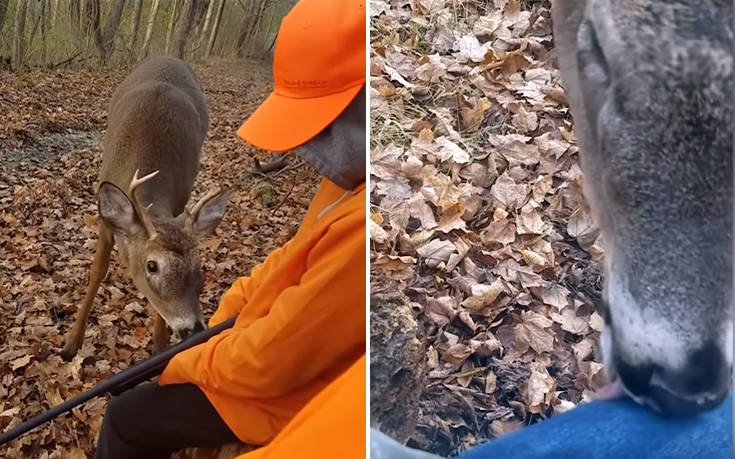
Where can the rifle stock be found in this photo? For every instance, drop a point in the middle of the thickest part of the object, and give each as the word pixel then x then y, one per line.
pixel 120 382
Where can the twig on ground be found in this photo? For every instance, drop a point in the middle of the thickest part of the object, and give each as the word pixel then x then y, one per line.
pixel 278 163
pixel 293 185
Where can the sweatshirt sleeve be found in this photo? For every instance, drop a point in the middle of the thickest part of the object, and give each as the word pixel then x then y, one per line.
pixel 238 295
pixel 310 327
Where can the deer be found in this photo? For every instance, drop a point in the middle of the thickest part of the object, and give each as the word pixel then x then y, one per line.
pixel 157 124
pixel 650 90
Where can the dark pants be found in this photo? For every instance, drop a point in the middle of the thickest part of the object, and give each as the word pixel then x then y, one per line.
pixel 152 421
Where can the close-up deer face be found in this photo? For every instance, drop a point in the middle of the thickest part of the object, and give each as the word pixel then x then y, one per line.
pixel 650 88
pixel 161 253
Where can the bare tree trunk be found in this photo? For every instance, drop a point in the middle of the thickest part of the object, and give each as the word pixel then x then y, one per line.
pixel 171 25
pixel 92 26
pixel 112 24
pixel 215 28
pixel 187 24
pixel 245 25
pixel 202 35
pixel 75 19
pixel 3 12
pixel 203 6
pixel 251 28
pixel 137 10
pixel 36 18
pixel 44 26
pixel 19 44
pixel 149 27
pixel 257 27
pixel 54 13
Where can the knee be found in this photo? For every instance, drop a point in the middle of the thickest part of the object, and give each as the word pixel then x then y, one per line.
pixel 126 407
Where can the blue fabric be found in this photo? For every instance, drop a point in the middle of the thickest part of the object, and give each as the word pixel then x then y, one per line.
pixel 616 429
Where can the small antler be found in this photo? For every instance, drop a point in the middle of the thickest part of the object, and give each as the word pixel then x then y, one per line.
pixel 190 214
pixel 140 208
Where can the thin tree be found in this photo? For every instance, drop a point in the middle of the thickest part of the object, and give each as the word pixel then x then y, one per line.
pixel 45 4
pixel 36 16
pixel 172 24
pixel 245 26
pixel 54 13
pixel 91 19
pixel 149 27
pixel 112 24
pixel 215 28
pixel 187 24
pixel 75 18
pixel 137 10
pixel 202 34
pixel 3 12
pixel 19 36
pixel 202 6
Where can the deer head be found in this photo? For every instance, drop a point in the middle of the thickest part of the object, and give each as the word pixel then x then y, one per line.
pixel 161 252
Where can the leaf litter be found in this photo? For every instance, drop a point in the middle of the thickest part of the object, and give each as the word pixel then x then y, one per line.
pixel 50 146
pixel 477 213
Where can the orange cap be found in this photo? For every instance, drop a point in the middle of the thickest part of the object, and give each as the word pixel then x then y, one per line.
pixel 318 68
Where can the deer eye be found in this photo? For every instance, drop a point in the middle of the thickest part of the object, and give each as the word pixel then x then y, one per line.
pixel 152 267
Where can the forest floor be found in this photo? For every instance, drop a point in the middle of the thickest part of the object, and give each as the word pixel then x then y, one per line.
pixel 52 126
pixel 477 215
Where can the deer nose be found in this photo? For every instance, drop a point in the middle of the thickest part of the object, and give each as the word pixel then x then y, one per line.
pixel 188 331
pixel 701 385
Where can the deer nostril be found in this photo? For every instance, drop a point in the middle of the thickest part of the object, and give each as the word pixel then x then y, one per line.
pixel 636 378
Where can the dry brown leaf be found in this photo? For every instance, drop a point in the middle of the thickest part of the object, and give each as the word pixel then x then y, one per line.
pixel 583 349
pixel 472 117
pixel 471 49
pixel 555 295
pixel 490 382
pixel 596 322
pixel 484 295
pixel 539 390
pixel 525 121
pixel 457 353
pixel 534 260
pixel 436 251
pixel 508 193
pixel 582 227
pixel 500 231
pixel 534 330
pixel 20 362
pixel 530 222
pixel 419 209
pixel 441 310
pixel 433 70
pixel 570 322
pixel 450 151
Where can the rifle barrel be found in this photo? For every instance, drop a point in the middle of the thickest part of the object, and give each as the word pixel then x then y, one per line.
pixel 124 380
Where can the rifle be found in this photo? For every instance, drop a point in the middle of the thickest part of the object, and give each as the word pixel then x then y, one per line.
pixel 120 382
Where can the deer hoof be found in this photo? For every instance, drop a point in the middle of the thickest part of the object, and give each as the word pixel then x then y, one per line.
pixel 69 352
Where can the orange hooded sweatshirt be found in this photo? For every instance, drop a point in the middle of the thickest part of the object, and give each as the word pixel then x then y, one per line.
pixel 301 323
pixel 339 409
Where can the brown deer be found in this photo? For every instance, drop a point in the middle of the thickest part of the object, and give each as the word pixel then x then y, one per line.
pixel 156 127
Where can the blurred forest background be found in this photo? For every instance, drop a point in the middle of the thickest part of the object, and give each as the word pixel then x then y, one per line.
pixel 90 33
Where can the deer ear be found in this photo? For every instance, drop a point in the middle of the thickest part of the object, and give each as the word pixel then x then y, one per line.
pixel 117 210
pixel 209 215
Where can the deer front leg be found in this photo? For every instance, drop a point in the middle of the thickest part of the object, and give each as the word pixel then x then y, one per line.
pixel 98 272
pixel 160 334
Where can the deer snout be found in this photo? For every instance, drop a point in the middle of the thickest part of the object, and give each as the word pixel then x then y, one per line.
pixel 185 332
pixel 699 386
